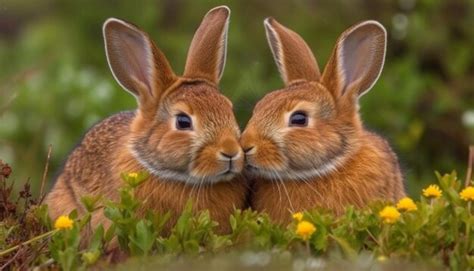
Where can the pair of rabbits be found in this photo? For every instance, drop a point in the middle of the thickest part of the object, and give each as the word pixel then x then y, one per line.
pixel 304 147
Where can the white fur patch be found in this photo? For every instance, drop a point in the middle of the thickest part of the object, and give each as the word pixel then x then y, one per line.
pixel 278 53
pixel 303 175
pixel 175 176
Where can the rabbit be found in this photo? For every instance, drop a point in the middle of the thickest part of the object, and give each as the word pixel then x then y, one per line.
pixel 184 132
pixel 305 145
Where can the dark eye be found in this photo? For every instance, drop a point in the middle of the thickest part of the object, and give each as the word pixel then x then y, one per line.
pixel 299 118
pixel 184 122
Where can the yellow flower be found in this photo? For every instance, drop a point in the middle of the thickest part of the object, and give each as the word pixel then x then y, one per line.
pixel 389 214
pixel 134 179
pixel 298 216
pixel 133 175
pixel 305 229
pixel 406 204
pixel 467 194
pixel 63 222
pixel 432 191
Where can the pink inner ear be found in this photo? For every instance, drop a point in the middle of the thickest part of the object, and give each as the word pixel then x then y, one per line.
pixel 356 58
pixel 139 59
pixel 361 57
pixel 129 55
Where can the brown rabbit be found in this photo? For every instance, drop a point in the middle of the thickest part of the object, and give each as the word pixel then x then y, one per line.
pixel 184 132
pixel 305 145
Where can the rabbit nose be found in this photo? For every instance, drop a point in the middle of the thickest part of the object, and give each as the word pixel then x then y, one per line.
pixel 231 156
pixel 248 149
pixel 248 140
pixel 230 148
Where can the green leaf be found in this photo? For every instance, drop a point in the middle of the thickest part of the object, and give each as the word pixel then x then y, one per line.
pixel 97 238
pixel 109 234
pixel 233 222
pixel 143 239
pixel 41 212
pixel 90 202
pixel 73 214
pixel 113 213
pixel 84 220
pixel 90 257
pixel 346 248
pixel 183 224
pixel 134 179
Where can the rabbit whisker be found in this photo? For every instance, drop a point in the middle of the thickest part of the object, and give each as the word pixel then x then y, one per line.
pixel 273 180
pixel 292 209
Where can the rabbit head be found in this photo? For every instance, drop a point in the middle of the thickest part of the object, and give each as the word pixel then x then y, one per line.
pixel 310 127
pixel 184 129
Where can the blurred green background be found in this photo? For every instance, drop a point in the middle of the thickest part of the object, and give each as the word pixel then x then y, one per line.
pixel 55 82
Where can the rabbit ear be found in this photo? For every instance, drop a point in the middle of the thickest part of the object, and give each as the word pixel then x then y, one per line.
pixel 137 65
pixel 207 53
pixel 292 55
pixel 357 60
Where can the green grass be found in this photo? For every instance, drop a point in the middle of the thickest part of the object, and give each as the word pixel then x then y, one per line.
pixel 274 260
pixel 438 234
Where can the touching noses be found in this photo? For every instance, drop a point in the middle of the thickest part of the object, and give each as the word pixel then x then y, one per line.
pixel 230 149
pixel 247 142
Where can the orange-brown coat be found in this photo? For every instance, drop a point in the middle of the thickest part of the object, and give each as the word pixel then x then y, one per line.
pixel 183 133
pixel 305 144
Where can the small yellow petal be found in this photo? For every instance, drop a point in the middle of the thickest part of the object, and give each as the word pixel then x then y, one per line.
pixel 305 229
pixel 133 175
pixel 467 193
pixel 432 191
pixel 63 222
pixel 298 216
pixel 406 204
pixel 389 215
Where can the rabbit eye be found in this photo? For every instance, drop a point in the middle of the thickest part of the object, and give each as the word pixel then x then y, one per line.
pixel 184 122
pixel 299 119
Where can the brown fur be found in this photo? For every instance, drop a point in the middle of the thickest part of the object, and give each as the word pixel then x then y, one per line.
pixel 209 47
pixel 333 161
pixel 184 164
pixel 89 171
pixel 357 183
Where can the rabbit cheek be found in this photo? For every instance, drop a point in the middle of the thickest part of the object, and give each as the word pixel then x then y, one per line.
pixel 206 164
pixel 303 149
pixel 173 150
pixel 268 156
pixel 314 149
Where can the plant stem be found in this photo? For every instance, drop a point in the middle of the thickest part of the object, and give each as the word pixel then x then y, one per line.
pixel 468 227
pixel 384 235
pixel 373 237
pixel 36 238
pixel 470 164
pixel 45 173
